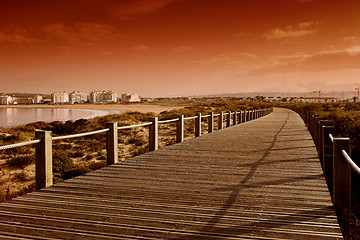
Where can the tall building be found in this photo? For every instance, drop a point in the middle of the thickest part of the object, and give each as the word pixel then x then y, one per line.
pixel 59 98
pixel 28 100
pixel 77 97
pixel 103 97
pixel 5 100
pixel 130 97
pixel 38 98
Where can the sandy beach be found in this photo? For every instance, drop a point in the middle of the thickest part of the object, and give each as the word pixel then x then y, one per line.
pixel 121 107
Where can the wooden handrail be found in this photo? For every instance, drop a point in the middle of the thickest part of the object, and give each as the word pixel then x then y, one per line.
pixel 43 143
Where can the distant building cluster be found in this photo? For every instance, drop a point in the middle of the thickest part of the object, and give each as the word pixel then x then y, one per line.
pixel 75 97
pixel 8 100
pixel 59 97
pixel 130 98
pixel 102 97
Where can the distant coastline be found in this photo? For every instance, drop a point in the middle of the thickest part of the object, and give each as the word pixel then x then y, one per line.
pixel 116 107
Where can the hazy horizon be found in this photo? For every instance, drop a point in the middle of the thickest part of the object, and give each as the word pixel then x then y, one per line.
pixel 179 47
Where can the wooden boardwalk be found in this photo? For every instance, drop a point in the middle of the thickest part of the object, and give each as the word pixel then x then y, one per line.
pixel 257 180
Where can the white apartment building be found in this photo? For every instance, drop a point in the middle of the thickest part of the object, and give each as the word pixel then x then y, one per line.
pixel 5 100
pixel 59 98
pixel 18 100
pixel 38 99
pixel 130 97
pixel 77 97
pixel 102 96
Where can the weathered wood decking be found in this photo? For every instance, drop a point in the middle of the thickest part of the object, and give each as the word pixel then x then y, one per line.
pixel 258 180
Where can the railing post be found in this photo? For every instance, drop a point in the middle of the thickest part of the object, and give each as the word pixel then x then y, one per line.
pixel 112 143
pixel 342 185
pixel 327 160
pixel 308 117
pixel 211 122
pixel 310 122
pixel 235 118
pixel 180 129
pixel 245 116
pixel 153 134
pixel 221 121
pixel 198 125
pixel 240 117
pixel 320 138
pixel 316 132
pixel 228 122
pixel 43 159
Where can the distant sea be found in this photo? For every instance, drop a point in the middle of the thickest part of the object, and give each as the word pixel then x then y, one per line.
pixel 10 117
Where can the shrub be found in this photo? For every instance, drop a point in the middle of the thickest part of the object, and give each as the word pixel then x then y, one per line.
pixel 21 177
pixel 137 141
pixel 96 165
pixel 77 154
pixel 62 162
pixel 81 170
pixel 21 161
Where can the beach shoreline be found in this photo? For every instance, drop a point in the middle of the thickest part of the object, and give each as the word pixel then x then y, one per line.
pixel 139 107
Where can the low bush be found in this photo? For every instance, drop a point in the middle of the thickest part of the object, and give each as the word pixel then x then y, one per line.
pixel 62 162
pixel 77 154
pixel 21 177
pixel 78 171
pixel 21 161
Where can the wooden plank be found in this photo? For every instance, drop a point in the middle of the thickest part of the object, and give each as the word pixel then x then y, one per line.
pixel 258 180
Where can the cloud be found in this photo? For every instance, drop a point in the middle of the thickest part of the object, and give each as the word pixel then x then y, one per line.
pixel 140 7
pixel 243 34
pixel 330 60
pixel 292 31
pixel 82 32
pixel 182 49
pixel 351 38
pixel 306 1
pixel 141 48
pixel 234 58
pixel 353 51
pixel 18 36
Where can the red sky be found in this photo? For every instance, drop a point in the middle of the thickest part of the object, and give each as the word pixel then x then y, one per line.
pixel 179 47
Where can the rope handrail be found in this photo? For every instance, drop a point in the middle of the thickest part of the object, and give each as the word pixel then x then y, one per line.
pixel 331 138
pixel 188 118
pixel 350 162
pixel 168 121
pixel 107 129
pixel 133 126
pixel 80 134
pixel 15 145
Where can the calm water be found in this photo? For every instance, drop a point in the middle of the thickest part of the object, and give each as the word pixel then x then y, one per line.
pixel 10 117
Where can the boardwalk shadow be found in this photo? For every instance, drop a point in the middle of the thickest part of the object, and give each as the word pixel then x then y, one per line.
pixel 242 185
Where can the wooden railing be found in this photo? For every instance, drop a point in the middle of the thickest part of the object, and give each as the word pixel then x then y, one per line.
pixel 334 154
pixel 44 139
